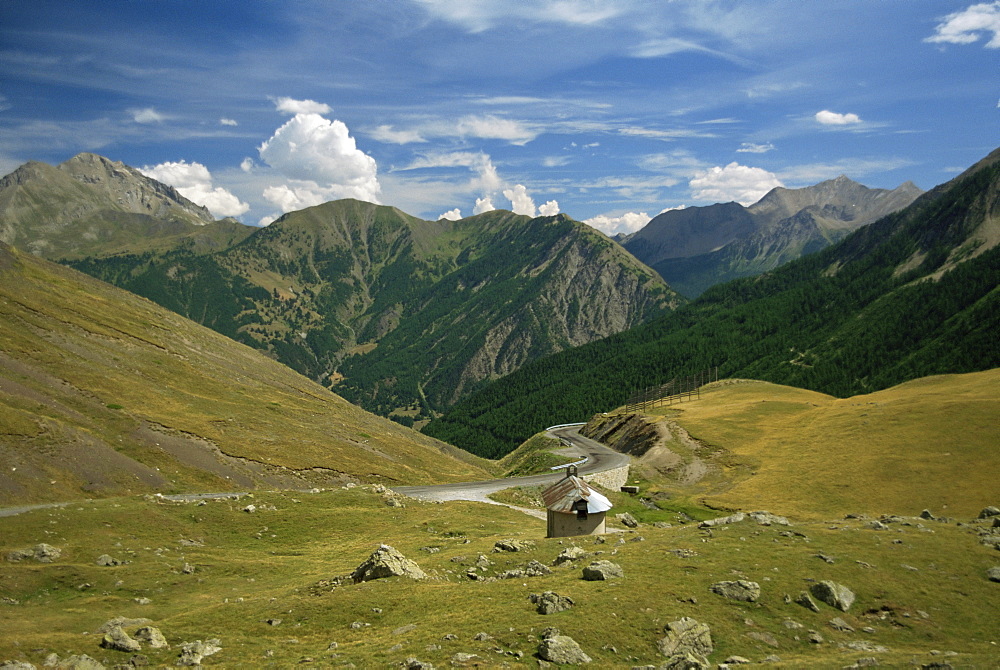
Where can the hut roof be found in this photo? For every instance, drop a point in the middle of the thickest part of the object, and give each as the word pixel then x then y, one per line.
pixel 560 496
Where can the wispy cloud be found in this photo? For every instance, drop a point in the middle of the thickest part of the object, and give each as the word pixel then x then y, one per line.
pixel 751 148
pixel 828 118
pixel 969 25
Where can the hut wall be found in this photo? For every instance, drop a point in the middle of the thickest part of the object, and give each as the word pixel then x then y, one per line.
pixel 567 525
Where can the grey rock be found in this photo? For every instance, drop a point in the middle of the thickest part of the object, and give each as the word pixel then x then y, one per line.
pixel 550 602
pixel 686 636
pixel 386 562
pixel 43 553
pixel 627 520
pixel 806 601
pixel 461 659
pixel 118 640
pixel 80 662
pixel 482 637
pixel 839 624
pixel 513 545
pixel 768 519
pixel 403 630
pixel 151 636
pixel 569 554
pixel 876 525
pixel 686 661
pixel 741 590
pixel 104 560
pixel 862 645
pixel 833 594
pixel 550 631
pixel 602 570
pixel 16 665
pixel 192 652
pixel 736 660
pixel 989 511
pixel 563 650
pixel 926 514
pixel 766 638
pixel 815 637
pixel 993 574
pixel 536 569
pixel 413 664
pixel 122 622
pixel 722 520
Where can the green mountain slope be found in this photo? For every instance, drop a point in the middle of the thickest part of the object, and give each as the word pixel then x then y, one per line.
pixel 404 315
pixel 911 295
pixel 105 393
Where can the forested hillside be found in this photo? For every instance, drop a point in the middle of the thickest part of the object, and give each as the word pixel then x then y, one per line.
pixel 913 294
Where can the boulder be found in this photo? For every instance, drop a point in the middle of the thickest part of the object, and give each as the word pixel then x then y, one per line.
pixel 806 601
pixel 386 562
pixel 513 545
pixel 686 636
pixel 17 665
pixel 740 589
pixel 192 652
pixel 563 650
pixel 989 511
pixel 627 520
pixel 993 574
pixel 550 602
pixel 80 662
pixel 569 554
pixel 602 570
pixel 104 560
pixel 833 594
pixel 151 636
pixel 686 661
pixel 122 622
pixel 43 553
pixel 722 520
pixel 536 569
pixel 118 640
pixel 768 519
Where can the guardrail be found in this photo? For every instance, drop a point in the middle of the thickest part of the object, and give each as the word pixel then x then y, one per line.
pixel 566 465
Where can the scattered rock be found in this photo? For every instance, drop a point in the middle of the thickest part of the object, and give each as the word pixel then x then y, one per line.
pixel 768 519
pixel 142 601
pixel 122 622
pixel 569 554
pixel 151 636
pixel 839 624
pixel 876 525
pixel 193 652
pixel 686 661
pixel 686 636
pixel 993 574
pixel 386 562
pixel 602 570
pixel 550 602
pixel 861 645
pixel 513 545
pixel 105 560
pixel 250 509
pixel 403 630
pixel 563 650
pixel 118 640
pixel 722 520
pixel 741 590
pixel 43 553
pixel 815 637
pixel 736 660
pixel 16 665
pixel 833 594
pixel 80 662
pixel 989 511
pixel 926 514
pixel 550 631
pixel 766 638
pixel 462 659
pixel 627 520
pixel 413 664
pixel 482 637
pixel 806 601
pixel 187 568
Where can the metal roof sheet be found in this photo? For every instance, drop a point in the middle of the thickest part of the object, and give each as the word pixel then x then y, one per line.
pixel 560 496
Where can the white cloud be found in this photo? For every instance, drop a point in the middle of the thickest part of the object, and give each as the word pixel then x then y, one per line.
pixel 555 161
pixel 828 118
pixel 451 215
pixel 484 204
pixel 967 26
pixel 746 185
pixel 266 221
pixel 520 201
pixel 390 135
pixel 477 16
pixel 550 208
pixel 194 182
pixel 493 128
pixel 228 122
pixel 247 164
pixel 751 148
pixel 321 161
pixel 146 115
pixel 292 106
pixel 629 222
pixel 665 135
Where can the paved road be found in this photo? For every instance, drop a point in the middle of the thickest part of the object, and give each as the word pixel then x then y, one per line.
pixel 599 459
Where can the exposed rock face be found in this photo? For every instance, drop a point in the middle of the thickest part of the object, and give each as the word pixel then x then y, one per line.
pixel 627 520
pixel 768 519
pixel 118 640
pixel 43 553
pixel 386 562
pixel 741 589
pixel 602 570
pixel 513 545
pixel 686 636
pixel 550 602
pixel 833 594
pixel 686 661
pixel 569 554
pixel 563 650
pixel 151 636
pixel 722 520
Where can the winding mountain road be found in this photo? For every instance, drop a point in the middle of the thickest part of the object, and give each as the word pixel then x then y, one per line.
pixel 599 459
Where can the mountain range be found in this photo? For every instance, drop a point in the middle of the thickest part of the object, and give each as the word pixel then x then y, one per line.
pixel 403 316
pixel 915 293
pixel 697 247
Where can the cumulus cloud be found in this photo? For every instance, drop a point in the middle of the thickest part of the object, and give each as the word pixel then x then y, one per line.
pixel 228 122
pixel 550 208
pixel 828 118
pixel 484 204
pixel 451 215
pixel 751 148
pixel 194 182
pixel 146 115
pixel 629 222
pixel 292 106
pixel 968 25
pixel 390 135
pixel 746 185
pixel 520 201
pixel 321 161
pixel 247 164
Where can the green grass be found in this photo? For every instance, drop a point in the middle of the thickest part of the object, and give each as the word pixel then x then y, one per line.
pixel 536 455
pixel 266 565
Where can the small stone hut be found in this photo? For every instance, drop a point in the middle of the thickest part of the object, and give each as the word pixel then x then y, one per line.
pixel 574 508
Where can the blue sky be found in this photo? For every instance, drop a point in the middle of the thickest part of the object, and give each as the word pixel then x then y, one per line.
pixel 609 111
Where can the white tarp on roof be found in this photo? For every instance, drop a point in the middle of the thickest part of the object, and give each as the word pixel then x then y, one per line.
pixel 560 496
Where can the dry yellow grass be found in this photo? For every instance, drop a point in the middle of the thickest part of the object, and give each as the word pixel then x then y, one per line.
pixel 930 443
